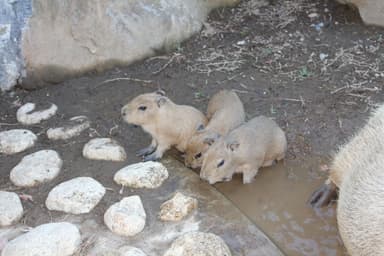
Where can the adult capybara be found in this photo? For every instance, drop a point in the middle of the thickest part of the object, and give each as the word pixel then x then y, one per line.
pixel 358 171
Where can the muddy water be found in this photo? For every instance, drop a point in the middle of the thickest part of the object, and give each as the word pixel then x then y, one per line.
pixel 276 202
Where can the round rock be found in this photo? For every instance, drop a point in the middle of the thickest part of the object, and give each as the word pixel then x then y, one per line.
pixel 177 208
pixel 198 244
pixel 25 114
pixel 53 239
pixel 11 209
pixel 36 168
pixel 104 149
pixel 127 217
pixel 16 140
pixel 73 127
pixel 79 195
pixel 142 175
pixel 130 251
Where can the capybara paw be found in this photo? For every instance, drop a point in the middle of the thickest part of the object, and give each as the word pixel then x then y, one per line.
pixel 145 151
pixel 247 180
pixel 151 157
pixel 323 196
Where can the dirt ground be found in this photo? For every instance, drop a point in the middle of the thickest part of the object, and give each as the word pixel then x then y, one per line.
pixel 313 66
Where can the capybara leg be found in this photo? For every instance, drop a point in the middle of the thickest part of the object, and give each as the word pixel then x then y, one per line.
pixel 151 157
pixel 268 163
pixel 280 157
pixel 324 195
pixel 248 175
pixel 147 150
pixel 157 154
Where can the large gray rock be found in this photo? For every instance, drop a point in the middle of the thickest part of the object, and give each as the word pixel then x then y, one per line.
pixel 90 34
pixel 371 11
pixel 53 239
pixel 13 16
pixel 11 209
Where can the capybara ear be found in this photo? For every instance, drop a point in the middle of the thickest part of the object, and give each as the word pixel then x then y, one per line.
pixel 233 145
pixel 200 127
pixel 209 141
pixel 161 101
pixel 160 92
pixel 211 138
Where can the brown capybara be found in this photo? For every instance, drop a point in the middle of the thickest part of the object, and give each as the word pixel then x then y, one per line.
pixel 168 123
pixel 257 143
pixel 358 171
pixel 225 112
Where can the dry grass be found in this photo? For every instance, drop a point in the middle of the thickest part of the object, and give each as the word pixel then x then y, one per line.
pixel 219 60
pixel 353 68
pixel 279 15
pixel 85 246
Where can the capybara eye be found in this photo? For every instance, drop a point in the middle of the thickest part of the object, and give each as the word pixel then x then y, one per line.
pixel 198 155
pixel 221 163
pixel 142 108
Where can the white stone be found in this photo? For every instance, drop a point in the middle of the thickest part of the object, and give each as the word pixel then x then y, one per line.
pixel 11 209
pixel 177 208
pixel 198 244
pixel 73 128
pixel 323 56
pixel 142 175
pixel 104 149
pixel 127 217
pixel 53 239
pixel 79 195
pixel 313 15
pixel 110 250
pixel 36 168
pixel 130 251
pixel 16 140
pixel 25 114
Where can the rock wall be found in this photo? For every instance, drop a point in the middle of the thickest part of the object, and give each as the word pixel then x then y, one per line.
pixel 48 41
pixel 13 17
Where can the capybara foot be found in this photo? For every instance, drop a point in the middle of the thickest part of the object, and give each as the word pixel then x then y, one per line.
pixel 151 157
pixel 323 196
pixel 269 163
pixel 146 151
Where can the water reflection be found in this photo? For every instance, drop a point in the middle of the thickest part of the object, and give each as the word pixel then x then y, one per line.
pixel 276 202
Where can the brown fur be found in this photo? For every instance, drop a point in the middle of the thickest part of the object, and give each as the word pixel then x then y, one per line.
pixel 359 173
pixel 226 112
pixel 257 143
pixel 168 123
